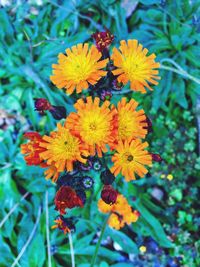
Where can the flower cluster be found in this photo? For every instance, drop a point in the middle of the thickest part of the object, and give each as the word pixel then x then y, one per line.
pixel 97 127
pixel 121 212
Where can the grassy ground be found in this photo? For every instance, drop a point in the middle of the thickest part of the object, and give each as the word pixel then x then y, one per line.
pixel 32 34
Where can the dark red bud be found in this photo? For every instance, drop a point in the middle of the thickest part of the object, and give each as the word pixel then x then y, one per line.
pixel 58 112
pixel 107 177
pixel 156 157
pixel 42 104
pixel 109 194
pixel 103 39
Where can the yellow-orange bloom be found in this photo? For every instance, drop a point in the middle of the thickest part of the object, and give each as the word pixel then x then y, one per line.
pixel 115 221
pixel 130 159
pixel 62 149
pixel 81 66
pixel 92 123
pixel 121 212
pixel 131 123
pixel 132 64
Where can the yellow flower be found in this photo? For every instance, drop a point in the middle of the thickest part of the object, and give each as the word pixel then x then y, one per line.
pixel 130 158
pixel 115 222
pixel 62 149
pixel 170 177
pixel 143 249
pixel 103 207
pixel 121 212
pixel 132 64
pixel 79 67
pixel 131 123
pixel 92 123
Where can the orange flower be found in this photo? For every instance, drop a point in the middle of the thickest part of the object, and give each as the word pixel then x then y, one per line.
pixel 121 212
pixel 93 124
pixel 133 65
pixel 32 149
pixel 79 67
pixel 61 150
pixel 130 158
pixel 131 123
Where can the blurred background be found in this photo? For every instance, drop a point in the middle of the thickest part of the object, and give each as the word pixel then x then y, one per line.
pixel 32 33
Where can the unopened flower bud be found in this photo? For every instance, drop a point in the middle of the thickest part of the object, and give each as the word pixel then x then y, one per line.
pixel 58 112
pixel 97 165
pixel 103 39
pixel 42 104
pixel 117 85
pixel 109 194
pixel 156 157
pixel 106 95
pixel 87 182
pixel 107 177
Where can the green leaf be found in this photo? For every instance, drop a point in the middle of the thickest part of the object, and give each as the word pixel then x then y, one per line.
pixel 124 241
pixel 37 252
pixel 159 233
pixel 179 90
pixel 122 264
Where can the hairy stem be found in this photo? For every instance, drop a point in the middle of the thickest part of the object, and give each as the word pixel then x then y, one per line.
pixel 99 242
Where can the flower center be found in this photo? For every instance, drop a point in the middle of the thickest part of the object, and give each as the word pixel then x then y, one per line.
pixel 94 127
pixel 133 66
pixel 127 157
pixel 78 68
pixel 130 158
pixel 64 146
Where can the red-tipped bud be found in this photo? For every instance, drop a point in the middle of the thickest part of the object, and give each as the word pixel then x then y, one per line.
pixel 149 125
pixel 42 104
pixel 156 157
pixel 109 194
pixel 103 39
pixel 117 85
pixel 106 95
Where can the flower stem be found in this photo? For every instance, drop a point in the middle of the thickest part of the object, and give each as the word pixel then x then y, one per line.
pixel 99 242
pixel 71 249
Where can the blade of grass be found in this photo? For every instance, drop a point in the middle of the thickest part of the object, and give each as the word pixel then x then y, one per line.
pixel 29 239
pixel 13 209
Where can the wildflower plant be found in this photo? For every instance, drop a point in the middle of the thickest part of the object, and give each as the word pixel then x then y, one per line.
pixel 99 133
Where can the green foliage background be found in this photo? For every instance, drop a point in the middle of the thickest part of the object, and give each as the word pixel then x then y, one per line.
pixel 31 37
